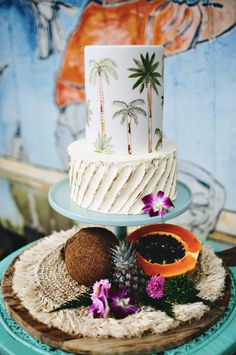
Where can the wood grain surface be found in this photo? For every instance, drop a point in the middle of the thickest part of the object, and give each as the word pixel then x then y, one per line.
pixel 147 343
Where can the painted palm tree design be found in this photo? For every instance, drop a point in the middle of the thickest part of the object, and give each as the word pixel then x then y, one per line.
pixel 147 77
pixel 127 113
pixel 101 70
pixel 88 112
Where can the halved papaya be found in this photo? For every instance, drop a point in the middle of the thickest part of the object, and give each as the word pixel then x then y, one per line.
pixel 166 249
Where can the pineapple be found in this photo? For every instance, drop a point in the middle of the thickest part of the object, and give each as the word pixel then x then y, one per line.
pixel 127 274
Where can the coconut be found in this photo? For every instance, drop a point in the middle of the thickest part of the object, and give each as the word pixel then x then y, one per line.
pixel 87 255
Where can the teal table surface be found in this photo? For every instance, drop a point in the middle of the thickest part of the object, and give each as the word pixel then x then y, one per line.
pixel 220 339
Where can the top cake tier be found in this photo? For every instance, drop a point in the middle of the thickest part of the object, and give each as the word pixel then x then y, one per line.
pixel 124 98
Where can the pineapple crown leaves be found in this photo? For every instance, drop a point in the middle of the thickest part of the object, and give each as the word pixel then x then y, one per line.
pixel 123 254
pixel 145 73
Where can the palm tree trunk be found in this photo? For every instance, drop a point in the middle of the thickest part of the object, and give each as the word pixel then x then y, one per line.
pixel 129 135
pixel 101 98
pixel 149 97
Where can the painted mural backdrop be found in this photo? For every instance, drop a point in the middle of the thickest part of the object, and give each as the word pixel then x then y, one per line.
pixel 42 75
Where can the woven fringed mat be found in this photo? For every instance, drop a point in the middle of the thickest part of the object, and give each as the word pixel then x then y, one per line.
pixel 42 283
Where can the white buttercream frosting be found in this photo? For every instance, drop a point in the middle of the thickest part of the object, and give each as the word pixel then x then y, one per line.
pixel 117 183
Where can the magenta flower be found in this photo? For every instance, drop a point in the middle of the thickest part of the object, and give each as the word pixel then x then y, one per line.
pixel 156 204
pixel 155 287
pixel 100 307
pixel 122 304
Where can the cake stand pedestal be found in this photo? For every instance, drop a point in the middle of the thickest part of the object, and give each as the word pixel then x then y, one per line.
pixel 59 199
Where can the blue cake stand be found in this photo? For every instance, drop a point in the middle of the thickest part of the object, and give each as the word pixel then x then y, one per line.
pixel 60 201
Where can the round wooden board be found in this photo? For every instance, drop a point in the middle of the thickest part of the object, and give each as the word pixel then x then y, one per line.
pixel 146 344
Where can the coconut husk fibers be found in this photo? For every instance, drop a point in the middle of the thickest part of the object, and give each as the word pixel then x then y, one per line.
pixel 87 255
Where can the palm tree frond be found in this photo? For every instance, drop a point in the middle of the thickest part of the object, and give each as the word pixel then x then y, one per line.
pixel 152 58
pixel 124 118
pixel 119 113
pixel 110 70
pixel 141 88
pixel 156 74
pixel 135 75
pixel 138 82
pixel 105 76
pixel 135 70
pixel 93 63
pixel 91 74
pixel 154 66
pixel 134 116
pixel 108 61
pixel 155 88
pixel 139 64
pixel 140 111
pixel 137 102
pixel 120 104
pixel 155 80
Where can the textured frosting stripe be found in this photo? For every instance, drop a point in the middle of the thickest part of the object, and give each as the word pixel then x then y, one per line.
pixel 107 180
pixel 108 186
pixel 127 191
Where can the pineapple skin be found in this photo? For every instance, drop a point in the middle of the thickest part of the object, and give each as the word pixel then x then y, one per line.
pixel 127 273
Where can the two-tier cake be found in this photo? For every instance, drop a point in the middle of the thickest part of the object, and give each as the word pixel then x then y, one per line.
pixel 123 157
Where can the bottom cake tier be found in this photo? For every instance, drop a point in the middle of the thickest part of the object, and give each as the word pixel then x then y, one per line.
pixel 116 183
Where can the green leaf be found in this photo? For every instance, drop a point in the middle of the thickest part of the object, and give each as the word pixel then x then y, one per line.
pixel 110 70
pixel 207 303
pixel 139 111
pixel 159 304
pixel 155 80
pixel 137 102
pixel 153 85
pixel 83 300
pixel 134 116
pixel 141 88
pixel 138 82
pixel 119 113
pixel 93 63
pixel 135 70
pixel 156 74
pixel 154 66
pixel 139 64
pixel 143 59
pixel 108 61
pixel 152 58
pixel 135 75
pixel 158 133
pixel 119 103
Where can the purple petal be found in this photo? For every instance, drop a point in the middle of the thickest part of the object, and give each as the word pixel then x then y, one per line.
pixel 146 209
pixel 153 213
pixel 160 195
pixel 167 203
pixel 162 212
pixel 148 199
pixel 122 311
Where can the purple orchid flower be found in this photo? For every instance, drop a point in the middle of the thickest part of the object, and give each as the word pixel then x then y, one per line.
pixel 156 204
pixel 100 307
pixel 155 287
pixel 122 304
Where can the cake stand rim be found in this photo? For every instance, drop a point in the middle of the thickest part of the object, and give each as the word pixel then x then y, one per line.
pixel 77 213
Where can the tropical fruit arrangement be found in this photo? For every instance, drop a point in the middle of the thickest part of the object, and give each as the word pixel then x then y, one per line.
pixel 152 266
